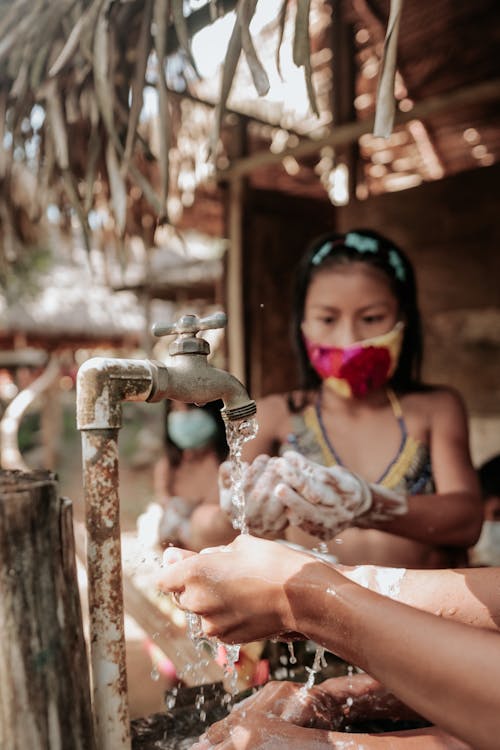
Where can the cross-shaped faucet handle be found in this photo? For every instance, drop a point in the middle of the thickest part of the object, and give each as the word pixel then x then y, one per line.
pixel 190 324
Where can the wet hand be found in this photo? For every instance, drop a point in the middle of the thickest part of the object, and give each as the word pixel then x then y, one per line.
pixel 290 701
pixel 321 500
pixel 264 511
pixel 174 523
pixel 258 730
pixel 325 500
pixel 238 590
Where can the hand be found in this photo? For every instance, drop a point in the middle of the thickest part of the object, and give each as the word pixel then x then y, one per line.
pixel 238 590
pixel 325 500
pixel 147 525
pixel 174 523
pixel 289 701
pixel 261 731
pixel 257 730
pixel 264 512
pixel 321 500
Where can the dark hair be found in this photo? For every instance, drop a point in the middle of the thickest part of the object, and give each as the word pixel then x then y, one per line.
pixel 365 246
pixel 489 477
pixel 221 448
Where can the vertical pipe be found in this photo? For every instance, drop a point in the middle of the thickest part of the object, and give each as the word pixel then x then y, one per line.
pixel 107 632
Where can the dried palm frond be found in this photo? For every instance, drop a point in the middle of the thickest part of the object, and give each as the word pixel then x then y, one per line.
pixel 386 103
pixel 85 64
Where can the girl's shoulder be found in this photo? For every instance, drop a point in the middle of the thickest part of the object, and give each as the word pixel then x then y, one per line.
pixel 274 423
pixel 433 402
pixel 283 404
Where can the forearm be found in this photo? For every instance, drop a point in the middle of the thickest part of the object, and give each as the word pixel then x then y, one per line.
pixel 417 739
pixel 468 596
pixel 416 655
pixel 450 519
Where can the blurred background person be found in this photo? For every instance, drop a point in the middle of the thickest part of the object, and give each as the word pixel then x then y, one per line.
pixel 487 549
pixel 186 478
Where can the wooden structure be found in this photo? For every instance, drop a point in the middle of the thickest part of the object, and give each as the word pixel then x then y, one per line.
pixel 45 695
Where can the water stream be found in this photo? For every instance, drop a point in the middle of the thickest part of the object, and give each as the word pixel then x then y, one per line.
pixel 237 433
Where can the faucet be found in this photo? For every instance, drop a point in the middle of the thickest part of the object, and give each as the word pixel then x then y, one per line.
pixel 102 384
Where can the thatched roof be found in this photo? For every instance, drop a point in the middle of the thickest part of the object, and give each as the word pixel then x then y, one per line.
pixel 70 306
pixel 99 299
pixel 75 80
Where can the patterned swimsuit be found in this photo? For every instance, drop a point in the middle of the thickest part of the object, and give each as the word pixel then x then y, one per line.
pixel 410 471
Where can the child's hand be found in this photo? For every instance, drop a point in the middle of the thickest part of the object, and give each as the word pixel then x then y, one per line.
pixel 173 527
pixel 321 500
pixel 238 590
pixel 325 500
pixel 264 512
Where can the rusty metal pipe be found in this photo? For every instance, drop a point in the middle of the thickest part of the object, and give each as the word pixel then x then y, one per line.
pixel 101 387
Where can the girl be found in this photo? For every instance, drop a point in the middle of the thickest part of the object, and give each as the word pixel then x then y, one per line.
pixel 185 478
pixel 365 444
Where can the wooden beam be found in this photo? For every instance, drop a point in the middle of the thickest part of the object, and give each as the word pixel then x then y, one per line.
pixel 480 93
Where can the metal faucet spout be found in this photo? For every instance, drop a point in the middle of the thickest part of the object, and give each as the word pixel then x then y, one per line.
pixel 191 379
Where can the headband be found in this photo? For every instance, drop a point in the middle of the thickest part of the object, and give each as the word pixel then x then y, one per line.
pixel 362 244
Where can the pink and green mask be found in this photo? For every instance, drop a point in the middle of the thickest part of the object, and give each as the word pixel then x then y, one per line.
pixel 358 369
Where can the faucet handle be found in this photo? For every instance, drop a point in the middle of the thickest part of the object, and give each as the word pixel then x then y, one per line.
pixel 186 328
pixel 190 324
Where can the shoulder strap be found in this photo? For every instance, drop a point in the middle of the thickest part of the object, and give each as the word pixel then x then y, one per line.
pixel 395 403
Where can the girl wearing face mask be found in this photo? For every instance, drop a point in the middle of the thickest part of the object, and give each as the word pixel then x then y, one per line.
pixel 365 457
pixel 186 476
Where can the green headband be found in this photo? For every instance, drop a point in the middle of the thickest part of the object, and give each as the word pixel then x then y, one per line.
pixel 361 244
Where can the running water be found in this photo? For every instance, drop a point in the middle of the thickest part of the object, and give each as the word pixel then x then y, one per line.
pixel 319 663
pixel 237 433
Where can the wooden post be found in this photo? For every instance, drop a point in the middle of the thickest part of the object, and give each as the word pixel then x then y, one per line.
pixel 44 688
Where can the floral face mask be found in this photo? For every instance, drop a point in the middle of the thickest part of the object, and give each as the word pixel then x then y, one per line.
pixel 358 369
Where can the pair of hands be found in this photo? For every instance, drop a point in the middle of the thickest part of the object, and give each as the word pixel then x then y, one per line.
pixel 295 719
pixel 238 590
pixel 292 490
pixel 279 710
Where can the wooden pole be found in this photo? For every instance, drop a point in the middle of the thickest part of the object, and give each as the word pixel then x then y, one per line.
pixel 44 688
pixel 234 280
pixel 235 323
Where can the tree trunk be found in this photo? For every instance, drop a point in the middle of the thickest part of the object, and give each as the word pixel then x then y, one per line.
pixel 44 686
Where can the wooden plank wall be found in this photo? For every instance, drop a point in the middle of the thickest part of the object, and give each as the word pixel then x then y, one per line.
pixel 276 229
